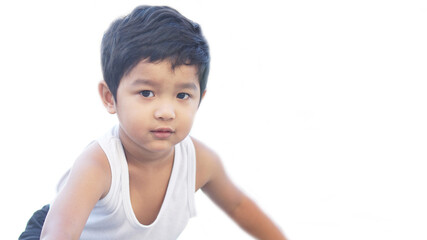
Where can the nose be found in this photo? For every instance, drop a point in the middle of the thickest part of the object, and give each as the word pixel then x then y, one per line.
pixel 165 112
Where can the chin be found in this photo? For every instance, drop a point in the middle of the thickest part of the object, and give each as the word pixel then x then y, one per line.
pixel 160 146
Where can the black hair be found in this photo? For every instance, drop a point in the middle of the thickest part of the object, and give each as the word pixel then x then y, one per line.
pixel 153 33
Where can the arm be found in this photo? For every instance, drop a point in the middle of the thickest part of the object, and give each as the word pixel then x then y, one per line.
pixel 89 181
pixel 213 180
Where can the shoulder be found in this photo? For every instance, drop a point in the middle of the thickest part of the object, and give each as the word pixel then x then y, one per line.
pixel 203 151
pixel 93 164
pixel 208 162
pixel 93 155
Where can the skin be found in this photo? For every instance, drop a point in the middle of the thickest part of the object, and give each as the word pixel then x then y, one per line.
pixel 150 97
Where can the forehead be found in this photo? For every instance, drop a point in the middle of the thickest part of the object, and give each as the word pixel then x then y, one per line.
pixel 161 73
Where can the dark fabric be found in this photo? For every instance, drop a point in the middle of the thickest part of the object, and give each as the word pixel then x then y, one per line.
pixel 35 225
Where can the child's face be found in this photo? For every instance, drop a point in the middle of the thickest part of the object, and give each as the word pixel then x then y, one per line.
pixel 156 105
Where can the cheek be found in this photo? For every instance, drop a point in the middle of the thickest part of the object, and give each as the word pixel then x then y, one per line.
pixel 187 118
pixel 133 115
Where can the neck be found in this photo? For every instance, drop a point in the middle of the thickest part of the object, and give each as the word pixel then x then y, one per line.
pixel 152 161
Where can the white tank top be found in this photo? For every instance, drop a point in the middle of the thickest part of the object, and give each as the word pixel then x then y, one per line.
pixel 113 216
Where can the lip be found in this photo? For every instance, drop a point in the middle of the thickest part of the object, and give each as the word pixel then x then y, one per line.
pixel 163 132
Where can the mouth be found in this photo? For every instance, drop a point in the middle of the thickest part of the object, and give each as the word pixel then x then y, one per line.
pixel 162 133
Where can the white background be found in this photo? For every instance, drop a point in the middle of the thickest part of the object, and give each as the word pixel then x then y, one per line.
pixel 317 108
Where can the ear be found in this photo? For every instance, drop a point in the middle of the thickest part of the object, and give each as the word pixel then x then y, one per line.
pixel 107 97
pixel 203 94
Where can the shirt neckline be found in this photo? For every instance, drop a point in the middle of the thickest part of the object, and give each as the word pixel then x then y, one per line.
pixel 127 204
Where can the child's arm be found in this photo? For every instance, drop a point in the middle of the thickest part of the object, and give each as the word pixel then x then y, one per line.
pixel 211 177
pixel 88 182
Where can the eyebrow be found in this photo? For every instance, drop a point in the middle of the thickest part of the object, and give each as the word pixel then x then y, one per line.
pixel 144 82
pixel 189 85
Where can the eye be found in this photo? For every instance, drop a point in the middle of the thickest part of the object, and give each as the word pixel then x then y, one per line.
pixel 147 93
pixel 183 95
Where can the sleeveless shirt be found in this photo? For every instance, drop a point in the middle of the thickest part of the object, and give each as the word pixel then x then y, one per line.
pixel 113 216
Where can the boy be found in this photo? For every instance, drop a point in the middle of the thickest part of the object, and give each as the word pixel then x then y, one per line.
pixel 138 181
